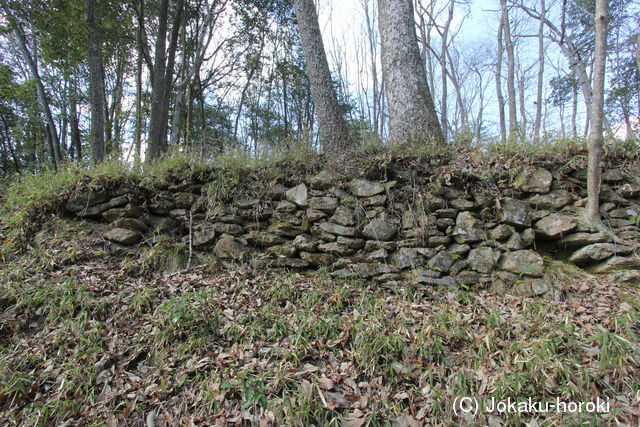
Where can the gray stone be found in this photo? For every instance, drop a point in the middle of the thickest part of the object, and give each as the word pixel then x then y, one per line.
pixel 84 199
pixel 467 277
pixel 535 180
pixel 130 210
pixel 458 249
pixel 406 258
pixel 123 236
pixel 227 247
pixel 441 262
pixel 435 241
pixel 515 242
pixel 245 202
pixel 447 213
pixel 335 248
pixel 184 200
pixel 161 206
pixel 343 216
pixel 323 180
pixel 232 229
pixel 286 229
pixel 371 245
pixel 501 232
pixel 305 243
pixel 483 259
pixel 203 236
pixel 462 204
pixel 286 206
pixel 97 210
pixel 298 195
pixel 264 239
pixel 608 194
pixel 317 259
pixel 377 255
pixel 425 279
pixel 612 175
pixel 379 230
pixel 627 276
pixel 130 223
pixel 468 229
pixel 178 213
pixel 539 287
pixel 325 204
pixel 616 263
pixel 350 242
pixel 161 224
pixel 528 237
pixel 629 190
pixel 578 240
pixel 555 200
pixel 337 229
pixel 515 212
pixel 286 250
pixel 363 188
pixel 314 215
pixel 378 200
pixel 556 225
pixel 525 262
pixel 597 252
pixel 408 220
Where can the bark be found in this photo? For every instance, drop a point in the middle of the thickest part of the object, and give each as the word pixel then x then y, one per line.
pixel 76 142
pixel 96 85
pixel 412 114
pixel 540 87
pixel 443 65
pixel 500 98
pixel 138 125
pixel 596 135
pixel 154 145
pixel 511 89
pixel 332 128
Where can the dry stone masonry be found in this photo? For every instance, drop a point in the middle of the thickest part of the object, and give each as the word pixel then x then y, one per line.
pixel 427 233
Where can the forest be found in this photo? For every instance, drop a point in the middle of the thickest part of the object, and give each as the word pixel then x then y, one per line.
pixel 319 212
pixel 85 81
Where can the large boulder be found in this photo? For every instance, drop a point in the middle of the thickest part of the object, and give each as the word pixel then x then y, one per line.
pixel 525 262
pixel 338 230
pixel 554 201
pixel 379 230
pixel 468 229
pixel 323 180
pixel 123 236
pixel 442 262
pixel 203 236
pixel 597 252
pixel 556 225
pixel 515 212
pixel 483 259
pixel 298 195
pixel 363 188
pixel 536 180
pixel 344 216
pixel 228 247
pixel 84 199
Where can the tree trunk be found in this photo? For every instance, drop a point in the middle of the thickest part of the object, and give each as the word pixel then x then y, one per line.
pixel 511 89
pixel 96 85
pixel 540 87
pixel 332 128
pixel 76 141
pixel 138 125
pixel 412 114
pixel 596 135
pixel 503 126
pixel 41 93
pixel 443 64
pixel 154 145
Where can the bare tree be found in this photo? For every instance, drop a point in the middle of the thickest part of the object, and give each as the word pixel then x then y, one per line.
pixel 412 114
pixel 500 98
pixel 511 69
pixel 596 135
pixel 539 88
pixel 332 128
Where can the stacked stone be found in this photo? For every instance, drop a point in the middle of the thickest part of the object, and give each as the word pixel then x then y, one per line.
pixel 442 235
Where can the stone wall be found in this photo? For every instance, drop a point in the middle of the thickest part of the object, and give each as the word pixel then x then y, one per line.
pixel 427 231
